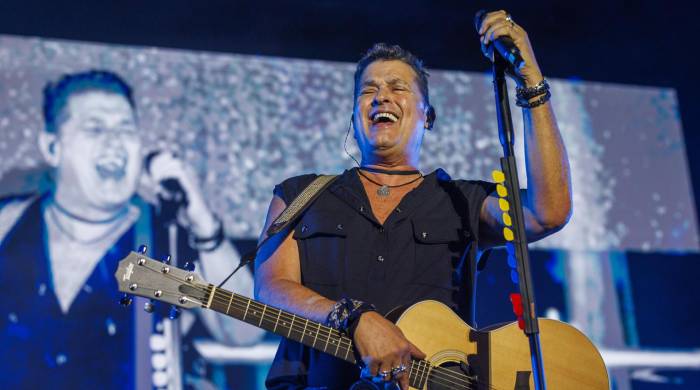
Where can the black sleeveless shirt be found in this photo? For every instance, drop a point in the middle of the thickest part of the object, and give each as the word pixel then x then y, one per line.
pixel 425 250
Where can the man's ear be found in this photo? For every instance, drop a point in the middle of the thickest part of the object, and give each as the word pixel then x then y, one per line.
pixel 430 117
pixel 50 148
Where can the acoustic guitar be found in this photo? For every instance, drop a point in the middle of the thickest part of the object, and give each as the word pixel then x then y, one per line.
pixel 458 357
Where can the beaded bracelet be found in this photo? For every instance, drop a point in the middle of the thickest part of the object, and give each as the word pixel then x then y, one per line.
pixel 524 103
pixel 346 313
pixel 527 93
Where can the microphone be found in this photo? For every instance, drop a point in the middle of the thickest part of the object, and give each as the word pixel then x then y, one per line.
pixel 504 45
pixel 175 194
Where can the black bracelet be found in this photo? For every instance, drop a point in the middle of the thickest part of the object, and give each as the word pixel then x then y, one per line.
pixel 527 93
pixel 345 315
pixel 524 103
pixel 208 244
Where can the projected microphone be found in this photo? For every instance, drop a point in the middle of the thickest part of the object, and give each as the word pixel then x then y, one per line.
pixel 175 196
pixel 504 45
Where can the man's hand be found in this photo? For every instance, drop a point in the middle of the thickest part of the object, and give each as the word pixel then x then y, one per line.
pixel 197 216
pixel 383 347
pixel 499 24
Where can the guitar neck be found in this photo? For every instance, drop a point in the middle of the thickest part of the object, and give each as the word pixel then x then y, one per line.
pixel 283 323
pixel 139 275
pixel 300 329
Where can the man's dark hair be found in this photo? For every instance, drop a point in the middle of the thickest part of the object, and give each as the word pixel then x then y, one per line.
pixel 384 52
pixel 56 94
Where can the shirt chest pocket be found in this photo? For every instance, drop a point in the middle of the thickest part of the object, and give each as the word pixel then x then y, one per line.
pixel 440 245
pixel 321 237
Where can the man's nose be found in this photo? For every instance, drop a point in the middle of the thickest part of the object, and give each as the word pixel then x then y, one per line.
pixel 113 139
pixel 382 96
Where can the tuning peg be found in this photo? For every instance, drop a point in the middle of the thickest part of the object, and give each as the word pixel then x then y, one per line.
pixel 166 259
pixel 143 249
pixel 189 266
pixel 125 300
pixel 174 312
pixel 149 306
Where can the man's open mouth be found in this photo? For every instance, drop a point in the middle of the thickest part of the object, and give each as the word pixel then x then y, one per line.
pixel 383 117
pixel 111 167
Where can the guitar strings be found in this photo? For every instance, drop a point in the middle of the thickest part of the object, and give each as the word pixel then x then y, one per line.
pixel 345 343
pixel 432 373
pixel 437 373
pixel 270 317
pixel 342 342
pixel 423 366
pixel 419 367
pixel 234 301
pixel 266 316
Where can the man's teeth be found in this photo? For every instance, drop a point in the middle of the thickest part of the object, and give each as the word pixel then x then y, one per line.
pixel 110 167
pixel 386 115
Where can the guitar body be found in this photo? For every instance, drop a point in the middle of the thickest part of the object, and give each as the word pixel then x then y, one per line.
pixel 500 358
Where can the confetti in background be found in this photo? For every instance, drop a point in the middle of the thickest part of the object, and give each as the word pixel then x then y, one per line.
pixel 245 123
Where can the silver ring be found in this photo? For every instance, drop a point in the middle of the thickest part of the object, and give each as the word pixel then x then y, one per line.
pixel 385 374
pixel 509 19
pixel 397 370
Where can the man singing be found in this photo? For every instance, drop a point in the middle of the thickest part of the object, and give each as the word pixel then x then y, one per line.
pixel 385 234
pixel 59 249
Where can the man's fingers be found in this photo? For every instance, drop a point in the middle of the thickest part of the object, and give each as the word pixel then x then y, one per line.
pixel 503 28
pixel 415 352
pixel 403 382
pixel 491 18
pixel 500 32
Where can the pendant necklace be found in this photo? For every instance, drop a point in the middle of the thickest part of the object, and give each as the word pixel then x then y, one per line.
pixel 384 190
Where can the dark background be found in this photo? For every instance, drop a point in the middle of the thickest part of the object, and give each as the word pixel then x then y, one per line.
pixel 643 43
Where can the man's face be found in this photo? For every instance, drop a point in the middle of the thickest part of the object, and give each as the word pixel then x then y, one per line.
pixel 389 115
pixel 100 159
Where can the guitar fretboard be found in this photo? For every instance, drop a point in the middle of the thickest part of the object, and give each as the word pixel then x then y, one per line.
pixel 293 327
pixel 285 324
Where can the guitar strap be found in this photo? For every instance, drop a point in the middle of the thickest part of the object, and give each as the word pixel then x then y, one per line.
pixel 288 216
pixel 300 203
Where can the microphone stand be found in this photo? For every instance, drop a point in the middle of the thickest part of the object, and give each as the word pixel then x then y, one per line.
pixel 508 165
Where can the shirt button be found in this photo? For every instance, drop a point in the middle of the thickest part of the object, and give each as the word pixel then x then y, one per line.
pixel 304 228
pixel 340 226
pixel 424 235
pixel 362 209
pixel 381 229
pixel 398 209
pixel 380 259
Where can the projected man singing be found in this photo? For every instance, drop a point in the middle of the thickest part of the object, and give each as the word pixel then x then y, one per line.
pixel 58 249
pixel 385 235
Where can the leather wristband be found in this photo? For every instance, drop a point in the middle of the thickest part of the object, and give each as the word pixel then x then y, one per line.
pixel 524 103
pixel 527 93
pixel 345 315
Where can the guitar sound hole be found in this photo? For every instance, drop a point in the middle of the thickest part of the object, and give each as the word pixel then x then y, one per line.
pixel 449 376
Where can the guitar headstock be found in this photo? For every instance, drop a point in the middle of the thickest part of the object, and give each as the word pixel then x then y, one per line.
pixel 141 275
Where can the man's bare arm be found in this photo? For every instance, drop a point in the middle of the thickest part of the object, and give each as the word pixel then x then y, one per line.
pixel 547 202
pixel 278 274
